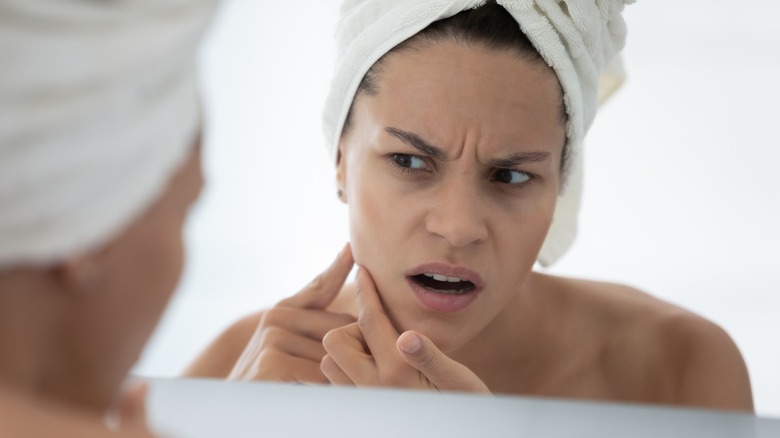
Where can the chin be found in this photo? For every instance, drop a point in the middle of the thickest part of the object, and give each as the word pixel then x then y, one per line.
pixel 447 331
pixel 440 333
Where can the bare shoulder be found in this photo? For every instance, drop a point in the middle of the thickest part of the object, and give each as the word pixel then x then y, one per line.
pixel 656 351
pixel 219 357
pixel 709 367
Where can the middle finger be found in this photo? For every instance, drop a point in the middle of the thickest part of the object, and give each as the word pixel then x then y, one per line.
pixel 346 348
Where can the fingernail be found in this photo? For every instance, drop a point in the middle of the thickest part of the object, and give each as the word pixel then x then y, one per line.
pixel 411 344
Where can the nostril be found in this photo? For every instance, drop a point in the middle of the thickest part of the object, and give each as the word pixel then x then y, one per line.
pixel 458 231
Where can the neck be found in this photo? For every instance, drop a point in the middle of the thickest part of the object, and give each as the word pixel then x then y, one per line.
pixel 510 353
pixel 33 319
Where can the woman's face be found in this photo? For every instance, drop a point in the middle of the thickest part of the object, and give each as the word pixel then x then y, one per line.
pixel 451 173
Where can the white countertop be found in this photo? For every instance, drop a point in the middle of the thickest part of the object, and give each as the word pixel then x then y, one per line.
pixel 192 408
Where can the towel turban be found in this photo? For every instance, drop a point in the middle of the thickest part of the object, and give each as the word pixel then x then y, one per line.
pixel 98 108
pixel 579 39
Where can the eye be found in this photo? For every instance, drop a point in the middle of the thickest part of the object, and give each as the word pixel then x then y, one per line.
pixel 510 176
pixel 411 162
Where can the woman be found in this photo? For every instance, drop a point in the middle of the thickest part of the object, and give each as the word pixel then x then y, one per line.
pixel 457 148
pixel 99 165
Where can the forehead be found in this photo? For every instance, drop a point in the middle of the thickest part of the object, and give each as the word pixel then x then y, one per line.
pixel 447 90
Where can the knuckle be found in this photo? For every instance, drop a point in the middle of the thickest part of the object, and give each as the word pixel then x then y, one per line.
pixel 366 319
pixel 271 365
pixel 426 361
pixel 273 316
pixel 392 376
pixel 267 357
pixel 332 338
pixel 327 364
pixel 273 336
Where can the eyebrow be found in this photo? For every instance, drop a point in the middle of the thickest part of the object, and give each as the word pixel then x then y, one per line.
pixel 428 149
pixel 417 142
pixel 518 159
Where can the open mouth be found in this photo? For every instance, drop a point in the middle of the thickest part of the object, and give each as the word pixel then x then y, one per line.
pixel 443 284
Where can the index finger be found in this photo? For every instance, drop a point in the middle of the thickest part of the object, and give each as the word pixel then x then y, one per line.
pixel 325 287
pixel 378 331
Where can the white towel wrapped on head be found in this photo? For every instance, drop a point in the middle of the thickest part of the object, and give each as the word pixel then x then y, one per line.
pixel 98 107
pixel 577 38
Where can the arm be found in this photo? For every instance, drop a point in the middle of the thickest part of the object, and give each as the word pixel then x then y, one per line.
pixel 218 359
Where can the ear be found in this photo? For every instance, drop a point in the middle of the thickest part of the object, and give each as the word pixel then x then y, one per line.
pixel 341 172
pixel 78 274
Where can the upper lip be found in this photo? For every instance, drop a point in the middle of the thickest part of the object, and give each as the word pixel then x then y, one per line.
pixel 448 270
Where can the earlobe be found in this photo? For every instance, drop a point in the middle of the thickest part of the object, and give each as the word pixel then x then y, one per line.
pixel 78 274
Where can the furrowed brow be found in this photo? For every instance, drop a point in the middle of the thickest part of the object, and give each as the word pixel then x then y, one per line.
pixel 416 142
pixel 519 159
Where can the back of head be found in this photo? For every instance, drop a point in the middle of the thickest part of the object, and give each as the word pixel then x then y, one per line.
pixel 98 107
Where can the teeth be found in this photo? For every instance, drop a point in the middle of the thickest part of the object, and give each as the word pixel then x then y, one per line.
pixel 440 277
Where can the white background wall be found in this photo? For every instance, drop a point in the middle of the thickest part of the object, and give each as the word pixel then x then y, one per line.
pixel 682 173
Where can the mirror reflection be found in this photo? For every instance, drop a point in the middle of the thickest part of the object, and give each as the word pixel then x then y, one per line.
pixel 668 227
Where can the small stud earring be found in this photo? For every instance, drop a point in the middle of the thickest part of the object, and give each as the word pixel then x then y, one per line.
pixel 339 193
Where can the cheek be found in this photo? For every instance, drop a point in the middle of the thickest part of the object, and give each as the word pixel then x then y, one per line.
pixel 164 263
pixel 540 219
pixel 369 213
pixel 521 237
pixel 138 278
pixel 147 276
pixel 382 222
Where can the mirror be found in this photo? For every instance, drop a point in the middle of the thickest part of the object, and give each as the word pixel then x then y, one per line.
pixel 682 181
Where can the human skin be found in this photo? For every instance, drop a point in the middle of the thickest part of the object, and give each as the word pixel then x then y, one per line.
pixel 471 106
pixel 535 206
pixel 70 333
pixel 286 340
pixel 29 417
pixel 524 332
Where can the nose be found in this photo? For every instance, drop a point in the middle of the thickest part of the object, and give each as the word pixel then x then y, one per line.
pixel 457 214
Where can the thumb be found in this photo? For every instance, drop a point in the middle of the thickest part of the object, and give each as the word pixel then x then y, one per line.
pixel 325 287
pixel 443 372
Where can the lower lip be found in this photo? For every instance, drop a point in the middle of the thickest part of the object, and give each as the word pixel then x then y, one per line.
pixel 444 303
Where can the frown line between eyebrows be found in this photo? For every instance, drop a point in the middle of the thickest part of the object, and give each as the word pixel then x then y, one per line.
pixel 427 149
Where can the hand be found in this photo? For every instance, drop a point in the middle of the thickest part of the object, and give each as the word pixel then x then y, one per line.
pixel 371 353
pixel 287 344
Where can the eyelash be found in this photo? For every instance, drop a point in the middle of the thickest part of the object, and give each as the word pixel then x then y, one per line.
pixel 409 171
pixel 521 186
pixel 402 169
